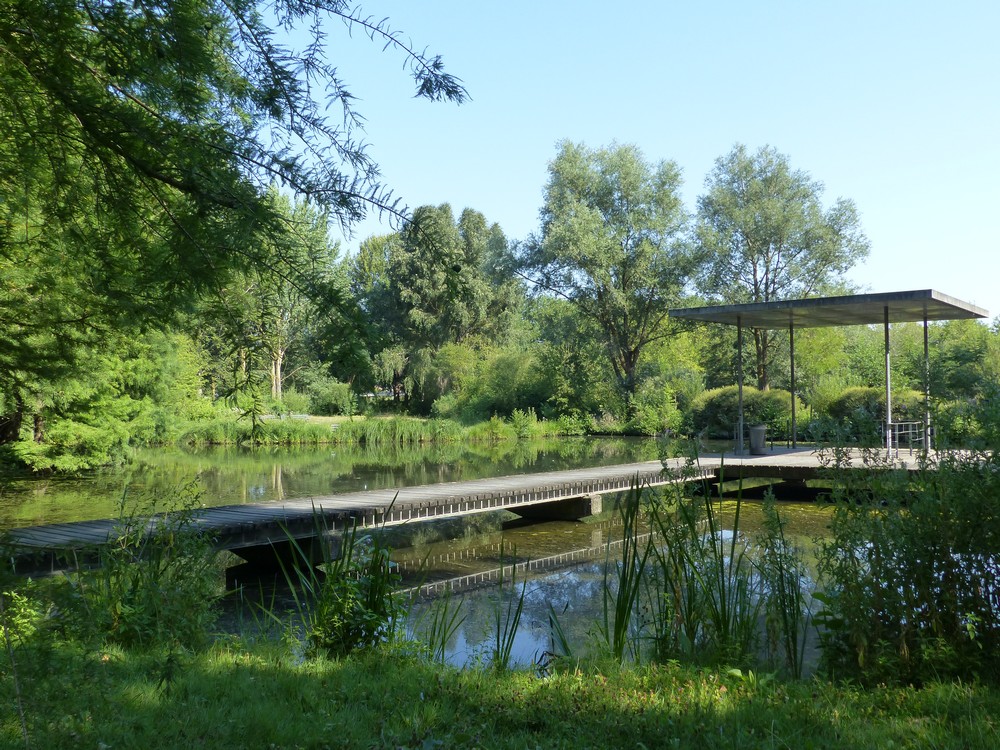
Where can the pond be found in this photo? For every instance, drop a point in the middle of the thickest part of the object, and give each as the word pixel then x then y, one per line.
pixel 226 475
pixel 568 559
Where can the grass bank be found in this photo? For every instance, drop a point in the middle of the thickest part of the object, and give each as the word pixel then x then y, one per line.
pixel 235 694
pixel 369 431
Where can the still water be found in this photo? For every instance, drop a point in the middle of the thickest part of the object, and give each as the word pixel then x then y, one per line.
pixel 225 475
pixel 568 562
pixel 567 559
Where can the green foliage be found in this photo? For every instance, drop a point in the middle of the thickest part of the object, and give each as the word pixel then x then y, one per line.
pixel 766 237
pixel 397 431
pixel 911 574
pixel 446 617
pixel 624 582
pixel 711 595
pixel 350 603
pixel 654 410
pixel 860 411
pixel 506 614
pixel 157 582
pixel 442 278
pixel 716 411
pixel 241 692
pixel 137 146
pixel 788 606
pixel 328 396
pixel 612 244
pixel 969 424
pixel 140 392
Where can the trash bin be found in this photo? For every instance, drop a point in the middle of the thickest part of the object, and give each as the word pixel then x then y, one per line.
pixel 758 440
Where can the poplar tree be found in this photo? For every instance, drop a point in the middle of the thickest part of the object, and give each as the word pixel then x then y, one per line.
pixel 613 244
pixel 766 237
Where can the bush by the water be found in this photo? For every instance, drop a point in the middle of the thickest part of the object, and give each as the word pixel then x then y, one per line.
pixel 912 572
pixel 861 409
pixel 716 411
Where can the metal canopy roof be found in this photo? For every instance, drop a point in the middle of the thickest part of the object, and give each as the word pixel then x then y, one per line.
pixel 854 309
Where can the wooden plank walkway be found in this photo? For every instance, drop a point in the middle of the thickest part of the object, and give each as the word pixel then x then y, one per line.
pixel 253 525
pixel 258 525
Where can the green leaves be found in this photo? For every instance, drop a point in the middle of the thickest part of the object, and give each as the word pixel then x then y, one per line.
pixel 612 243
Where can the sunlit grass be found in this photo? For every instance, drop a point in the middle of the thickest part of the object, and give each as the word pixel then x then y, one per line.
pixel 228 696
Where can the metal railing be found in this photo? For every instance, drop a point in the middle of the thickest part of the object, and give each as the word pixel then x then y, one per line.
pixel 906 434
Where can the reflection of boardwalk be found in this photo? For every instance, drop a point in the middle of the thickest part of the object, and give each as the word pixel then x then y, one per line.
pixel 259 526
pixel 519 570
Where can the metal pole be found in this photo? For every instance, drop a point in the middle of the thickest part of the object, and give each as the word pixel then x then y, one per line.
pixel 927 389
pixel 739 380
pixel 791 356
pixel 888 388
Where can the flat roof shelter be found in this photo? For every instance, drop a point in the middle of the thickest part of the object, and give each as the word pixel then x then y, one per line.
pixel 856 309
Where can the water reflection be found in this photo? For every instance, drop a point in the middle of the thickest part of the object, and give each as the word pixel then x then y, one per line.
pixel 571 582
pixel 225 475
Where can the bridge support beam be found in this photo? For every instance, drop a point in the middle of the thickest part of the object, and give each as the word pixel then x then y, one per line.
pixel 286 555
pixel 570 509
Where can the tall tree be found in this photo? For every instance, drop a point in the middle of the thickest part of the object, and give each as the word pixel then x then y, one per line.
pixel 137 143
pixel 613 244
pixel 440 278
pixel 766 237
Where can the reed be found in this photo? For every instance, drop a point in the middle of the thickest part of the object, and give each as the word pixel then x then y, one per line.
pixel 445 618
pixel 711 591
pixel 629 575
pixel 789 604
pixel 506 616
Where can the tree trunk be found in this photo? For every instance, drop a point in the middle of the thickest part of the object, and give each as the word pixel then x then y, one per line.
pixel 277 362
pixel 10 424
pixel 762 347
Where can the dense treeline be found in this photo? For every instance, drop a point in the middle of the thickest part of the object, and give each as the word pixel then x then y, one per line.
pixel 450 318
pixel 168 184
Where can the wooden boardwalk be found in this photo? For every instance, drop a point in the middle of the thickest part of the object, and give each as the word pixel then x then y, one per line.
pixel 262 525
pixel 247 527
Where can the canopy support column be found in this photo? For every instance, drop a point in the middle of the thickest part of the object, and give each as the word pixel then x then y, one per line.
pixel 739 380
pixel 791 357
pixel 888 386
pixel 927 390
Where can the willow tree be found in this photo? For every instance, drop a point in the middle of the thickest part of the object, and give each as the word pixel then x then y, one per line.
pixel 137 143
pixel 613 244
pixel 767 237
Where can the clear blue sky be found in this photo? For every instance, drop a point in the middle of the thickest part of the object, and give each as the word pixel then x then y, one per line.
pixel 895 105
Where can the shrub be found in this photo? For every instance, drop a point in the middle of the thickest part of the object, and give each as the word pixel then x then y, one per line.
pixel 353 605
pixel 293 402
pixel 654 410
pixel 912 573
pixel 717 411
pixel 860 410
pixel 153 589
pixel 329 397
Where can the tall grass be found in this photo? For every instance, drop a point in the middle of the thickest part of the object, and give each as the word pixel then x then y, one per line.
pixel 345 601
pixel 506 615
pixel 623 582
pixel 233 430
pixel 157 581
pixel 444 617
pixel 712 593
pixel 789 602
